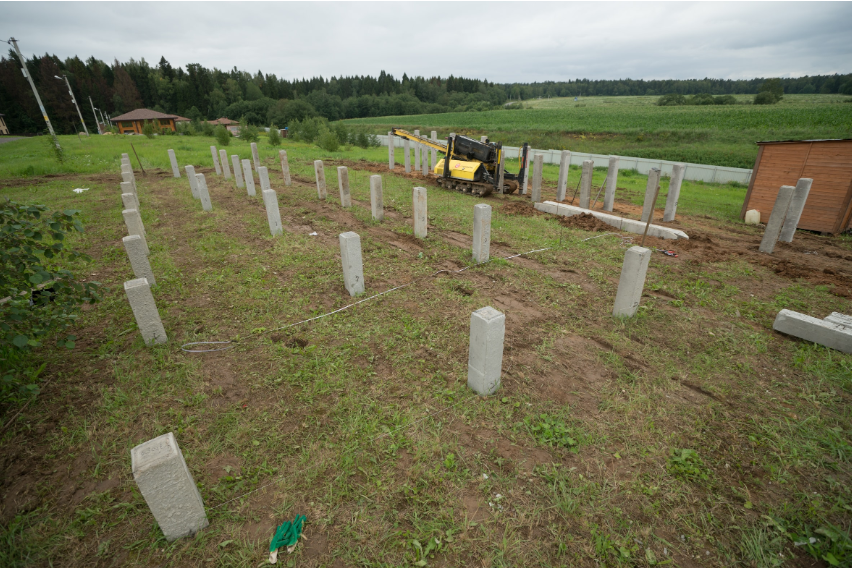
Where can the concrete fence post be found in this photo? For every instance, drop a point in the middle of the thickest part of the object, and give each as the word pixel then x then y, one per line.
pixel 263 176
pixel 203 193
pixel 319 171
pixel 586 183
pixel 249 177
pixel 794 213
pixel 127 187
pixel 776 219
pixel 128 201
pixel 353 266
pixel 127 175
pixel 434 154
pixel 223 159
pixel 425 162
pixel 173 160
pixel 168 488
pixel 376 198
pixel 485 355
pixel 391 159
pixel 216 160
pixel 134 226
pixel 632 281
pixel 650 192
pixel 481 232
pixel 562 184
pixel 538 166
pixel 343 186
pixel 483 139
pixel 193 183
pixel 420 212
pixel 238 170
pixel 611 182
pixel 406 151
pixel 416 150
pixel 285 166
pixel 255 156
pixel 674 192
pixel 273 213
pixel 525 184
pixel 145 311
pixel 135 249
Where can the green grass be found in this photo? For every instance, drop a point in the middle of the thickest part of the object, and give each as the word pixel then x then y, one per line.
pixel 723 135
pixel 363 421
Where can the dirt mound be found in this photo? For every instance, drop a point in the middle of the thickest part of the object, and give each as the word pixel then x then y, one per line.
pixel 584 221
pixel 522 209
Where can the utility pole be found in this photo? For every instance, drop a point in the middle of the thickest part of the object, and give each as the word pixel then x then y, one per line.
pixel 73 100
pixel 14 43
pixel 96 115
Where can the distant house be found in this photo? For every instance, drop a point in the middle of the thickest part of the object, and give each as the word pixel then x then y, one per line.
pixel 133 121
pixel 3 128
pixel 232 125
pixel 182 119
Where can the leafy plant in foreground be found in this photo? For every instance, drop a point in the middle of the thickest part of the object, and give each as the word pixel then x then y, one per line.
pixel 686 464
pixel 39 298
pixel 551 431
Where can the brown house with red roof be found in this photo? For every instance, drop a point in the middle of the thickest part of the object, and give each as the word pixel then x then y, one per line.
pixel 133 121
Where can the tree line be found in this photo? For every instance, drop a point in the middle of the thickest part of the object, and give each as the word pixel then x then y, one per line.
pixel 199 93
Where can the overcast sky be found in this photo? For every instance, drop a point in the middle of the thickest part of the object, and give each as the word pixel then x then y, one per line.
pixel 502 42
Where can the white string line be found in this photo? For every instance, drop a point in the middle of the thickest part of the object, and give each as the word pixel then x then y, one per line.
pixel 354 446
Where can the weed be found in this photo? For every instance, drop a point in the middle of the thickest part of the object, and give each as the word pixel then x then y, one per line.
pixel 551 431
pixel 686 464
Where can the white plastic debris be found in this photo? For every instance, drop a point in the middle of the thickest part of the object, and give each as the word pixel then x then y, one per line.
pixel 80 189
pixel 313 234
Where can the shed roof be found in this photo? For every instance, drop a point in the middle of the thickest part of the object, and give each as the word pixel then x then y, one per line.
pixel 142 114
pixel 182 119
pixel 224 122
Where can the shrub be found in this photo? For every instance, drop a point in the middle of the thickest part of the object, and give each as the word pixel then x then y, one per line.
pixel 773 86
pixel 765 98
pixel 248 132
pixel 223 137
pixel 274 136
pixel 148 129
pixel 360 140
pixel 726 100
pixel 672 99
pixel 342 134
pixel 30 244
pixel 328 141
pixel 308 130
pixel 373 141
pixel 207 129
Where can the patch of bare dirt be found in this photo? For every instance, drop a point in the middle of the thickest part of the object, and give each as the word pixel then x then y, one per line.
pixel 586 222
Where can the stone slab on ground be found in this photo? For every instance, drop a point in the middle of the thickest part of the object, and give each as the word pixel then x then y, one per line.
pixel 167 485
pixel 629 225
pixel 824 332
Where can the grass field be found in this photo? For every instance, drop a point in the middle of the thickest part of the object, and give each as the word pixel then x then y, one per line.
pixel 689 435
pixel 723 135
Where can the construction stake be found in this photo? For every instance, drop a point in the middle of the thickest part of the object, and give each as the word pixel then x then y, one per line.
pixel 138 160
pixel 650 217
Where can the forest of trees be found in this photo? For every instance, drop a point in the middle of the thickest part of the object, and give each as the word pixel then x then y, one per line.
pixel 200 93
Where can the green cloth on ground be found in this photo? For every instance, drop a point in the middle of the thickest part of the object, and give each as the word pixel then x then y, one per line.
pixel 288 533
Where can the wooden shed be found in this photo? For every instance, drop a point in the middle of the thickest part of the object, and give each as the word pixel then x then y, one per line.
pixel 828 162
pixel 135 120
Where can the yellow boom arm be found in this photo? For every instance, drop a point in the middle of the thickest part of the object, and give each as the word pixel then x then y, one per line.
pixel 436 144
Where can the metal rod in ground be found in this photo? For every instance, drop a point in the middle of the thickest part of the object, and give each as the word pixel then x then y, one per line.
pixel 138 160
pixel 576 190
pixel 599 193
pixel 650 217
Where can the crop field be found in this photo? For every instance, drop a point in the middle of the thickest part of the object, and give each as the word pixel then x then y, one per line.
pixel 689 435
pixel 722 135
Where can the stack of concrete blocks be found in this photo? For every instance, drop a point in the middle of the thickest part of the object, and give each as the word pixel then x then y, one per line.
pixel 586 183
pixel 193 182
pixel 776 219
pixel 420 212
pixel 562 183
pixel 135 248
pixel 168 488
pixel 248 177
pixel 391 159
pixel 481 232
pixel 611 181
pixel 794 213
pixel 538 165
pixel 620 223
pixel 353 266
pixel 835 331
pixel 145 311
pixel 343 185
pixel 416 150
pixel 406 151
pixel 377 205
pixel 485 358
pixel 650 193
pixel 128 196
pixel 632 281
pixel 434 154
pixel 173 160
pixel 216 160
pixel 133 221
pixel 285 166
pixel 678 170
pixel 319 171
pixel 223 159
pixel 238 171
pixel 203 193
pixel 255 156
